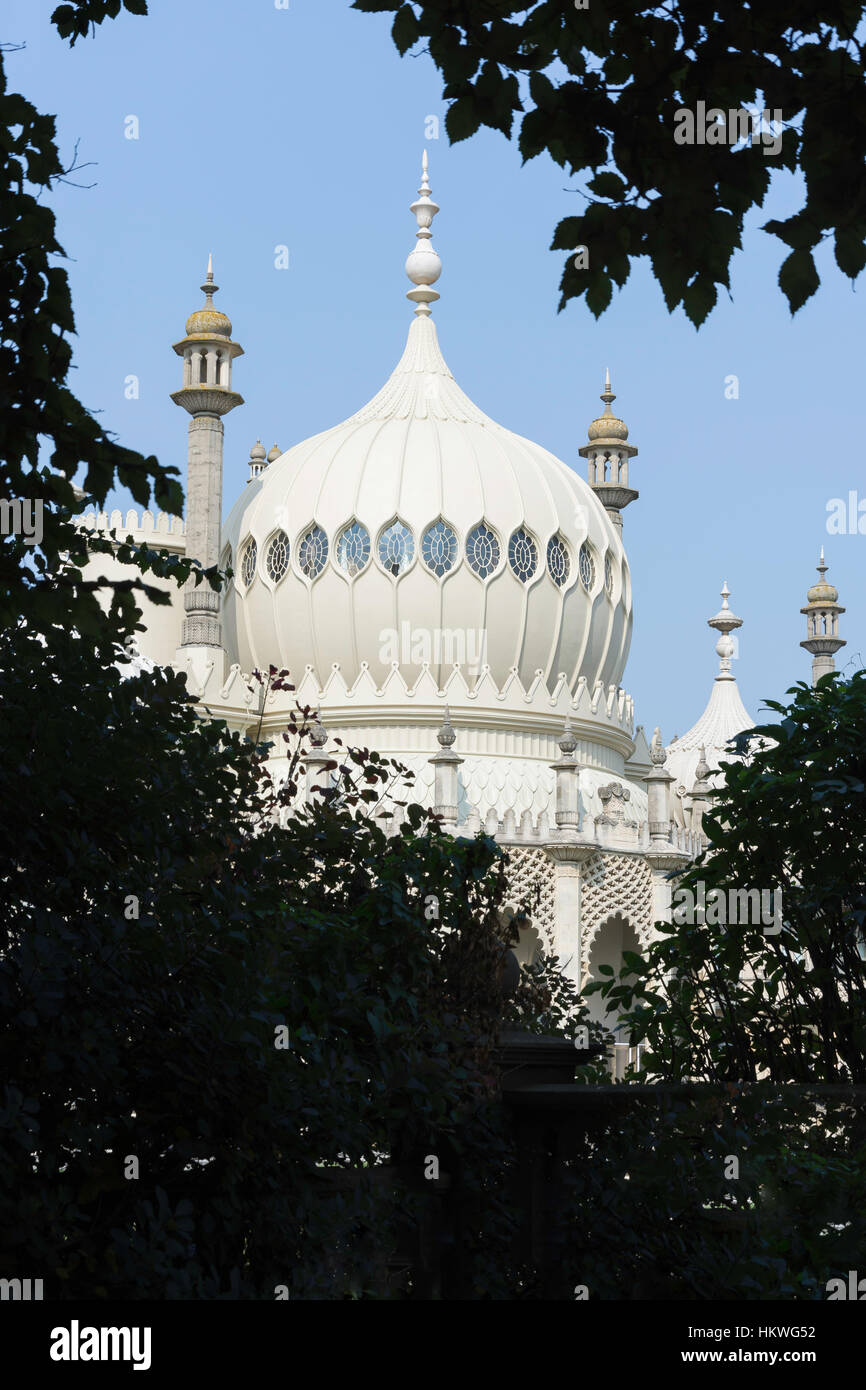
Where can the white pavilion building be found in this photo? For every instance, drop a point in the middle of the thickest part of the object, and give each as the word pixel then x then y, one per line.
pixel 451 594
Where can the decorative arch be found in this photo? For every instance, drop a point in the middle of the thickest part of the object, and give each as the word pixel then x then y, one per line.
pixel 614 883
pixel 530 942
pixel 610 940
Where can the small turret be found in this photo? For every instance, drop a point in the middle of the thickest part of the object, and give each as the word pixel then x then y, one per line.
pixel 607 455
pixel 822 624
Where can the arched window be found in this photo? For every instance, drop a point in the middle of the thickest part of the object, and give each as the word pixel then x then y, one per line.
pixel 277 557
pixel 558 564
pixel 439 548
pixel 523 555
pixel 586 567
pixel 608 575
pixel 396 548
pixel 353 548
pixel 202 368
pixel 482 550
pixel 249 559
pixel 313 552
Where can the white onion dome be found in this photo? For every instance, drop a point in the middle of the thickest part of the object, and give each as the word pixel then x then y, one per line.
pixel 420 530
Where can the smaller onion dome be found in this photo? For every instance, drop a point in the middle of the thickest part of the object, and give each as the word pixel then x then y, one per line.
pixel 257 452
pixel 608 425
pixel 208 320
pixel 274 453
pixel 822 592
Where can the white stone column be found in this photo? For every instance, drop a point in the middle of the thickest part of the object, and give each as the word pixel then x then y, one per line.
pixel 567 774
pixel 445 765
pixel 315 776
pixel 201 625
pixel 569 861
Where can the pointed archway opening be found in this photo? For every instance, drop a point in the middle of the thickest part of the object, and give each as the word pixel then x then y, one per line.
pixel 613 937
pixel 529 944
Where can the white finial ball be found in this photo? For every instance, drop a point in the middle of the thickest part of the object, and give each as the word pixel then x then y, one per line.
pixel 423 266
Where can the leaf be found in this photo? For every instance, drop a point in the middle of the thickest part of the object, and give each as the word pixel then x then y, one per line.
pixel 850 249
pixel 798 278
pixel 599 294
pixel 699 299
pixel 608 185
pixel 462 119
pixel 405 30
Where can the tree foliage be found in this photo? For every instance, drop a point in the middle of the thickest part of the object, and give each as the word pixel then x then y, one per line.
pixel 160 929
pixel 598 88
pixel 738 1001
pixel 47 436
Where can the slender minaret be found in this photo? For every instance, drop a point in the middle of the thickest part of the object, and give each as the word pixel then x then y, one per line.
pixel 207 352
pixel 607 455
pixel 822 624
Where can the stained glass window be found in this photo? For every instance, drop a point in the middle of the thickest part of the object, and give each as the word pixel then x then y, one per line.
pixel 557 561
pixel 439 548
pixel 248 563
pixel 482 550
pixel 313 552
pixel 353 548
pixel 586 567
pixel 396 548
pixel 277 557
pixel 523 555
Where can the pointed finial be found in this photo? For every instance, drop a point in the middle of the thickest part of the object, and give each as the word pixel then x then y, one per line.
pixel 822 567
pixel 568 742
pixel 725 621
pixel 318 732
pixel 209 288
pixel 446 735
pixel 702 770
pixel 423 265
pixel 658 754
pixel 607 394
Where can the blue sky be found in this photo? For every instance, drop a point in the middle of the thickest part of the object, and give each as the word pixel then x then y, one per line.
pixel 302 126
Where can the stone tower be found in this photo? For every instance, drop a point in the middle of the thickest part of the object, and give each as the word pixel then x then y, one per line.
pixel 822 624
pixel 607 454
pixel 207 352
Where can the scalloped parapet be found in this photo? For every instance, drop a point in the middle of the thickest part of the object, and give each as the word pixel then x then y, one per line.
pixel 170 531
pixel 476 698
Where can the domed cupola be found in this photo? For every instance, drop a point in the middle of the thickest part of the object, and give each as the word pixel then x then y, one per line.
pixel 419 532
